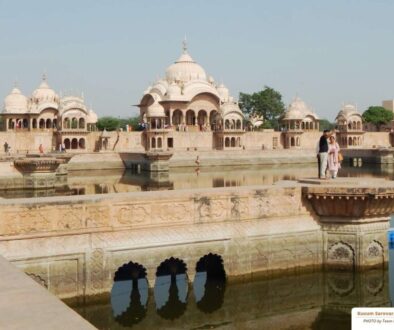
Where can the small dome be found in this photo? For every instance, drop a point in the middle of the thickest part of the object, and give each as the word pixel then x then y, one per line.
pixel 15 102
pixel 155 110
pixel 229 107
pixel 92 117
pixel 173 90
pixel 185 69
pixel 297 109
pixel 223 92
pixel 44 93
pixel 347 111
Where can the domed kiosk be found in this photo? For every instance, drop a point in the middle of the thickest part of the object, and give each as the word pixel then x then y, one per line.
pixel 297 119
pixel 187 99
pixel 67 118
pixel 349 125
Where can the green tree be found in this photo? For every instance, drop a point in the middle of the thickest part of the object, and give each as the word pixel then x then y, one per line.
pixel 378 116
pixel 266 103
pixel 109 123
pixel 113 123
pixel 325 124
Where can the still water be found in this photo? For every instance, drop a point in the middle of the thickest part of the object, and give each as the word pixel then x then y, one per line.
pixel 304 301
pixel 115 181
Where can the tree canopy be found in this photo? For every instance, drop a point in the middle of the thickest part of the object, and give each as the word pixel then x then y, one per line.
pixel 113 123
pixel 266 103
pixel 325 124
pixel 377 115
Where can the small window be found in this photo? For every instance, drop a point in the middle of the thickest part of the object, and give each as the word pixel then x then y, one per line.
pixel 170 142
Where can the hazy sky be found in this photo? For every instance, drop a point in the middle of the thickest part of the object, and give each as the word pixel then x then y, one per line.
pixel 327 52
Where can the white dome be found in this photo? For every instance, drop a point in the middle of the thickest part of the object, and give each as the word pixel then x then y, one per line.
pixel 185 69
pixel 347 111
pixel 173 90
pixel 92 117
pixel 44 93
pixel 298 109
pixel 15 102
pixel 155 110
pixel 230 107
pixel 223 92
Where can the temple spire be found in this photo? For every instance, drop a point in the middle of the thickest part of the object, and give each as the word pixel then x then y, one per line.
pixel 184 45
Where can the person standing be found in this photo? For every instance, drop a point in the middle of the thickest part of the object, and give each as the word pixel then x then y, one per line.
pixel 322 154
pixel 41 149
pixel 333 159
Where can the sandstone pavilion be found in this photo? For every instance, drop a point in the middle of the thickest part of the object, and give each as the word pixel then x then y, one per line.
pixel 68 118
pixel 187 99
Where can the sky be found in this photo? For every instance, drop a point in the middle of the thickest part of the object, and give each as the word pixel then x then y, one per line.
pixel 326 52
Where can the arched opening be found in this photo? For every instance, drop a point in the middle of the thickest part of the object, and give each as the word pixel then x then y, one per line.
pixel 25 123
pixel 153 143
pixel 239 124
pixel 81 123
pixel 202 118
pixel 190 117
pixel 227 124
pixel 171 288
pixel 359 125
pixel 292 142
pixel 129 294
pixel 81 143
pixel 54 123
pixel 74 123
pixel 41 123
pixel 350 141
pixel 233 141
pixel 66 123
pixel 67 143
pixel 48 123
pixel 74 143
pixel 177 117
pixel 34 123
pixel 212 120
pixel 11 124
pixel 303 125
pixel 227 142
pixel 209 283
pixel 159 143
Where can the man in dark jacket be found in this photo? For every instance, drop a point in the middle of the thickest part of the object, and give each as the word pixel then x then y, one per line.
pixel 322 154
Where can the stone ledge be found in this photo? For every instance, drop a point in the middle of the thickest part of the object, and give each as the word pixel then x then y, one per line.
pixel 24 304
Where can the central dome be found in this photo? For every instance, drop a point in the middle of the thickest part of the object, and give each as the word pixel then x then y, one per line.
pixel 185 69
pixel 44 93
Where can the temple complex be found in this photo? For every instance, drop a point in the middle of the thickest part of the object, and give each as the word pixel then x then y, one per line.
pixel 67 119
pixel 185 110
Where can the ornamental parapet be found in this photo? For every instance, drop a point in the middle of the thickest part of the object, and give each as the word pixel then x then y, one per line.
pixel 351 204
pixel 38 165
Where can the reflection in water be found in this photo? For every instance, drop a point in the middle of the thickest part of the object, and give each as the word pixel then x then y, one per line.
pixel 114 181
pixel 129 294
pixel 209 283
pixel 311 301
pixel 171 288
pixel 171 295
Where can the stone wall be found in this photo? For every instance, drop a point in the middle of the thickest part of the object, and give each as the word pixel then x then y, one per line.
pixel 376 139
pixel 21 142
pixel 75 244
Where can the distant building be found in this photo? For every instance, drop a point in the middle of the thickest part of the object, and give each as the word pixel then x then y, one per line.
pixel 68 117
pixel 188 100
pixel 388 104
